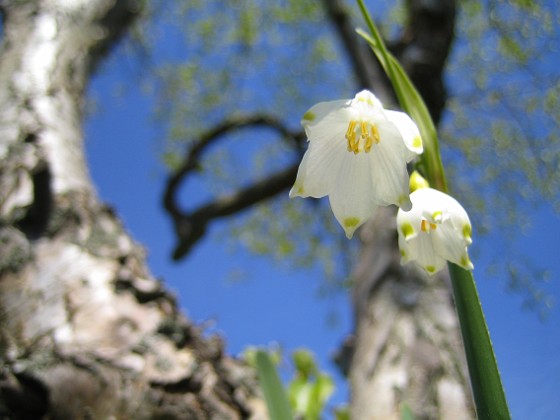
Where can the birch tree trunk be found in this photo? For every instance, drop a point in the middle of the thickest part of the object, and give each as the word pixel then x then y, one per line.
pixel 86 331
pixel 406 352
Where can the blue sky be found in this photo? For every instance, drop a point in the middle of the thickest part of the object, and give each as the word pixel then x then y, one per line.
pixel 271 304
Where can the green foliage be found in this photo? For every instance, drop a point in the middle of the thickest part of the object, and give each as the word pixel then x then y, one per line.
pixel 310 389
pixel 307 393
pixel 217 59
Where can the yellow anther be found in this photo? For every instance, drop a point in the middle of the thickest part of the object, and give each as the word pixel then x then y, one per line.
pixel 427 226
pixel 368 140
pixel 368 135
pixel 375 133
pixel 351 137
pixel 368 144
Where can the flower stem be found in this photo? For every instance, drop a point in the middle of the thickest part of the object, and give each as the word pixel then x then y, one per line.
pixel 488 392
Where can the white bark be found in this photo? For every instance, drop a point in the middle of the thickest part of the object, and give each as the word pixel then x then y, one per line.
pixel 86 331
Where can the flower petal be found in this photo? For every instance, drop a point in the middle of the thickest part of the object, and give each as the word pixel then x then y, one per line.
pixel 408 131
pixel 422 251
pixel 449 244
pixel 408 223
pixel 317 112
pixel 388 169
pixel 352 198
pixel 323 158
pixel 460 220
pixel 313 179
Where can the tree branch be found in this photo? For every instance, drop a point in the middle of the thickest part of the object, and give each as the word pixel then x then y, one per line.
pixel 190 226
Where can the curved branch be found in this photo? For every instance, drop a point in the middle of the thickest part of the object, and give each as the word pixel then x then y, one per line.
pixel 190 226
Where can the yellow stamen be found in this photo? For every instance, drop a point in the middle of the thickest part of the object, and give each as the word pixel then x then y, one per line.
pixel 351 137
pixel 375 133
pixel 366 139
pixel 427 226
pixel 368 136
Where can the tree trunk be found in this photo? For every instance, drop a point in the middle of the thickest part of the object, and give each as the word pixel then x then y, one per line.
pixel 407 351
pixel 86 331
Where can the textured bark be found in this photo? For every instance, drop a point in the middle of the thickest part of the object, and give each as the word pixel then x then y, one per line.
pixel 86 331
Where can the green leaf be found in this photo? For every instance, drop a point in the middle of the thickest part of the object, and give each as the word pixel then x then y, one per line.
pixel 274 394
pixel 489 396
pixel 310 390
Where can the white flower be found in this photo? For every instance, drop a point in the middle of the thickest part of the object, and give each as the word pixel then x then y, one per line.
pixel 437 229
pixel 357 155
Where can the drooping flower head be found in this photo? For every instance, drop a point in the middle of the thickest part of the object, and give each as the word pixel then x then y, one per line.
pixel 357 155
pixel 437 229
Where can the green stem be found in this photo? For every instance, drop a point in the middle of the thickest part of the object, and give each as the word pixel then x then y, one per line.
pixel 489 396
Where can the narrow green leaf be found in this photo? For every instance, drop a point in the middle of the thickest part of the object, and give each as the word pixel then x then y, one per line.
pixel 489 396
pixel 274 394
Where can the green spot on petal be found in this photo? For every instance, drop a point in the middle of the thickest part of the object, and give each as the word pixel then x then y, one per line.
pixel 417 142
pixel 309 116
pixel 403 253
pixel 407 230
pixel 351 222
pixel 467 231
pixel 430 269
pixel 466 262
pixel 437 216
